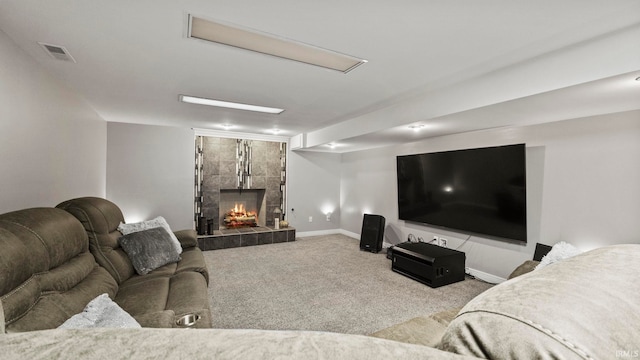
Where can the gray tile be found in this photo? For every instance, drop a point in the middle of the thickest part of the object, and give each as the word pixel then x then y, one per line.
pixel 258 167
pixel 232 241
pixel 228 182
pixel 273 167
pixel 210 163
pixel 249 239
pixel 291 235
pixel 211 183
pixel 202 244
pixel 279 236
pixel 211 142
pixel 217 243
pixel 259 182
pixel 228 148
pixel 265 238
pixel 228 167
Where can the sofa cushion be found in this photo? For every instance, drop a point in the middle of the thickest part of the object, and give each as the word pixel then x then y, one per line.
pixel 159 221
pixel 583 307
pixel 149 249
pixel 101 312
pixel 182 293
pixel 48 274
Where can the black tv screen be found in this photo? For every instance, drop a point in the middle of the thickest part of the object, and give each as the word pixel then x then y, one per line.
pixel 476 191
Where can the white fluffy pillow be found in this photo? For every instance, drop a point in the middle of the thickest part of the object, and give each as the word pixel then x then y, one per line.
pixel 559 251
pixel 101 312
pixel 127 229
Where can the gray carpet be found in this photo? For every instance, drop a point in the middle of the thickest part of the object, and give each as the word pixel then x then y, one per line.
pixel 322 283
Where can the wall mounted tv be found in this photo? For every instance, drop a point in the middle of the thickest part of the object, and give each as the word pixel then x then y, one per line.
pixel 479 191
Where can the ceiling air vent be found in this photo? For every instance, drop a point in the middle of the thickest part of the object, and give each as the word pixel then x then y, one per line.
pixel 57 52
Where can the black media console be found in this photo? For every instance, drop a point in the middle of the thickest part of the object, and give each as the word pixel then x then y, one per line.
pixel 427 263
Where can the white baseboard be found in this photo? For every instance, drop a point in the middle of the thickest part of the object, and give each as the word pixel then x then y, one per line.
pixel 481 275
pixel 349 234
pixel 317 232
pixel 328 232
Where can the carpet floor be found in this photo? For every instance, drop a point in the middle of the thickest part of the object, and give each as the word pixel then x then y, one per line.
pixel 320 283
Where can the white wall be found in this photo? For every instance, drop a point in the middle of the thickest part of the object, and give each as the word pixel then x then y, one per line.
pixel 583 179
pixel 150 172
pixel 313 188
pixel 52 143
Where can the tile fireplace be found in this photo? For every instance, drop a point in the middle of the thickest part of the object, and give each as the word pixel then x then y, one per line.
pixel 230 173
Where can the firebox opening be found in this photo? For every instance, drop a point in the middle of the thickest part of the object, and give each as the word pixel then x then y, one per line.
pixel 242 208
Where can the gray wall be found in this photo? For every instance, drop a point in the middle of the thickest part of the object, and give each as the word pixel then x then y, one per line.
pixel 582 178
pixel 313 181
pixel 150 172
pixel 52 144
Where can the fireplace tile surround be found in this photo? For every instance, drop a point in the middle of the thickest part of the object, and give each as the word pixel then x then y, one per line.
pixel 232 238
pixel 220 173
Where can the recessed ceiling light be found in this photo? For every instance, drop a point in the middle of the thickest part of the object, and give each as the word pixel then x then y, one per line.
pixel 416 127
pixel 331 145
pixel 227 104
pixel 233 35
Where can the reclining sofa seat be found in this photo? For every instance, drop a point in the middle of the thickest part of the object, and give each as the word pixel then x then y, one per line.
pixel 160 297
pixel 47 273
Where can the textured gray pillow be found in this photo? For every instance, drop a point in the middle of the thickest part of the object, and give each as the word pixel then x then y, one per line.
pixel 101 312
pixel 149 249
pixel 159 221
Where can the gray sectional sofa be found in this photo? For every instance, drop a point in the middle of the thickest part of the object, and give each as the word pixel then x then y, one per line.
pixel 54 261
pixel 584 307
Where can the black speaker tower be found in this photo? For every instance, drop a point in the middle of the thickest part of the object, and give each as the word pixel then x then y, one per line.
pixel 372 233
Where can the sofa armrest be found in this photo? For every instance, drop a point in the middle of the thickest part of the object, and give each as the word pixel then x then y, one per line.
pixel 187 238
pixel 146 343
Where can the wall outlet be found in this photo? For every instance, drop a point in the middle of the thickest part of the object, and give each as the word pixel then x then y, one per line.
pixel 443 242
pixel 310 218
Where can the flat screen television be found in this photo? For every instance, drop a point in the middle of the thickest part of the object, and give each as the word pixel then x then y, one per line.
pixel 479 191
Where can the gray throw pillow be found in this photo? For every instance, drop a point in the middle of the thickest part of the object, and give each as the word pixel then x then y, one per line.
pixel 159 221
pixel 149 249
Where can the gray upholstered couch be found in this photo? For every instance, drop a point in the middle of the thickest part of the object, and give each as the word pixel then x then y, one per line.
pixel 585 307
pixel 53 261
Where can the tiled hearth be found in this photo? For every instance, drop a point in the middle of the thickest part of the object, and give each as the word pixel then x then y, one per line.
pixel 248 236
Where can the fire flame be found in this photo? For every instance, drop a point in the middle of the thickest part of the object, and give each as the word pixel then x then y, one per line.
pixel 239 210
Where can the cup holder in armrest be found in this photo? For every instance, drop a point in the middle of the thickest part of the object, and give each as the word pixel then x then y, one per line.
pixel 188 320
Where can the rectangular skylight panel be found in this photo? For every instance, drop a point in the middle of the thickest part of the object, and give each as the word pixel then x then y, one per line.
pixel 270 45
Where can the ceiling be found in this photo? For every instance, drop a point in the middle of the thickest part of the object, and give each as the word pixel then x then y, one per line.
pixel 450 66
